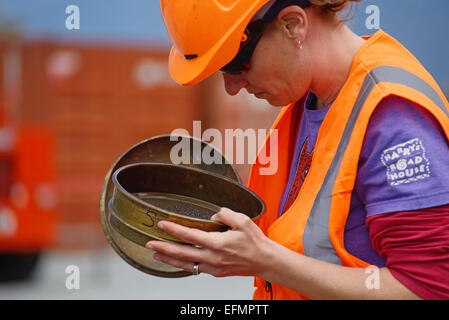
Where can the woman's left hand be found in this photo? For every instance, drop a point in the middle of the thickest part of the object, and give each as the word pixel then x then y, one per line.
pixel 239 251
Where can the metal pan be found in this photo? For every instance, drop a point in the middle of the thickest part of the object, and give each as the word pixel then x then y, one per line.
pixel 146 193
pixel 158 150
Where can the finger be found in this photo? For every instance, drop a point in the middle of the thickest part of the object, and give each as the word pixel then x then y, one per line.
pixel 176 251
pixel 188 266
pixel 181 257
pixel 231 218
pixel 177 263
pixel 186 234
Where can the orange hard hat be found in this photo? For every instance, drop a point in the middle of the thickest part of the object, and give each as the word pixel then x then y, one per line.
pixel 206 34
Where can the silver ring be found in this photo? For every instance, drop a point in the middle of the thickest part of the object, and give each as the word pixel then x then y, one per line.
pixel 196 269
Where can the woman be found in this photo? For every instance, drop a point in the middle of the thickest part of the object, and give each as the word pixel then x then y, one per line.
pixel 363 149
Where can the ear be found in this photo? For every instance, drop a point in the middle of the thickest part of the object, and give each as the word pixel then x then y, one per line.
pixel 294 22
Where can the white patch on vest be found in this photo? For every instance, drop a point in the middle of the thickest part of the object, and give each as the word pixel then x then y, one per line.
pixel 406 162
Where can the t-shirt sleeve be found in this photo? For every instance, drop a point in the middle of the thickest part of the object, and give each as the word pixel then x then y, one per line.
pixel 404 161
pixel 416 247
pixel 403 183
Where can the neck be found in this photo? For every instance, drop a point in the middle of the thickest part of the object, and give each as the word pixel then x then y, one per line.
pixel 338 52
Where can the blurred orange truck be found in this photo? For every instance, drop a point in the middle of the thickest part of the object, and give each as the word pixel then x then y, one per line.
pixel 27 200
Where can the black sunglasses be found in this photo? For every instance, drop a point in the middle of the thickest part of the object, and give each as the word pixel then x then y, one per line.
pixel 251 37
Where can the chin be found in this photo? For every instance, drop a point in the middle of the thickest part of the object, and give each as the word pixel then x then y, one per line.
pixel 277 103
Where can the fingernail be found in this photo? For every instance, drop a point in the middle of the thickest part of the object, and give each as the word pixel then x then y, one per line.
pixel 161 225
pixel 149 245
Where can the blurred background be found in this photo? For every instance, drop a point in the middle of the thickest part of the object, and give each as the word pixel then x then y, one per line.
pixel 73 100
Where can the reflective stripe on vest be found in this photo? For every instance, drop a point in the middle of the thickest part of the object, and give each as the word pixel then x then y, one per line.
pixel 316 239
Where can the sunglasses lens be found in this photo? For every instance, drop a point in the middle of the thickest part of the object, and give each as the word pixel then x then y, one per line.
pixel 241 61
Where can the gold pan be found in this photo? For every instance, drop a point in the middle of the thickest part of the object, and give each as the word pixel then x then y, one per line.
pixel 146 193
pixel 158 150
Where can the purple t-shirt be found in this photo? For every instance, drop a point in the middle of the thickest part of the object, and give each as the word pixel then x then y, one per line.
pixel 403 166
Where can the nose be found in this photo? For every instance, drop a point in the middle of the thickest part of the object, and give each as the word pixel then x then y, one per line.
pixel 234 83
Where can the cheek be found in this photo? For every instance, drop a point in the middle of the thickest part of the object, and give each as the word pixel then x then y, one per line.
pixel 263 57
pixel 265 71
pixel 270 60
pixel 271 70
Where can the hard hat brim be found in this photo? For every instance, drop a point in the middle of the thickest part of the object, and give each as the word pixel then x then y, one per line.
pixel 189 72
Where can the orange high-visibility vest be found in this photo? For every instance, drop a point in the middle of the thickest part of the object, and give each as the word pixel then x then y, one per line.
pixel 314 224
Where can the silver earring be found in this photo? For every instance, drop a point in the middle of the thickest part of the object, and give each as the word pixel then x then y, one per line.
pixel 299 44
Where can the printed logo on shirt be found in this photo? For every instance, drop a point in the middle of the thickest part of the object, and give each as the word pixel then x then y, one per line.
pixel 406 162
pixel 305 160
